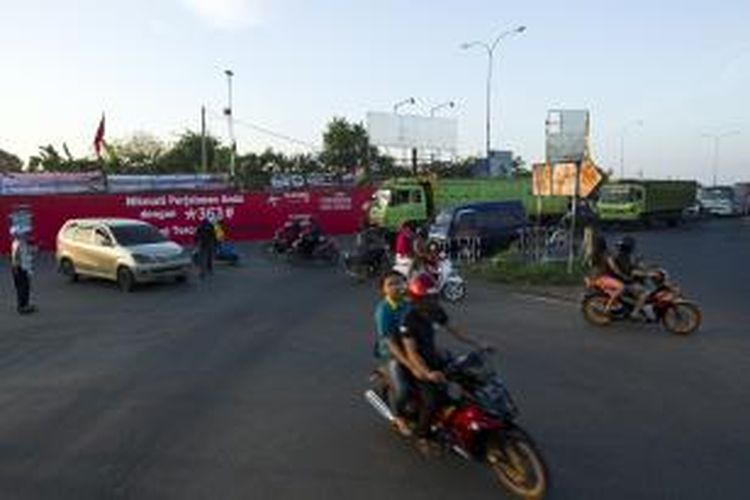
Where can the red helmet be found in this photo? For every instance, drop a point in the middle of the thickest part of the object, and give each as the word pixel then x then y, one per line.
pixel 422 285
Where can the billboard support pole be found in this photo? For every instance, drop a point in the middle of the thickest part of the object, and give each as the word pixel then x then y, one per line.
pixel 574 213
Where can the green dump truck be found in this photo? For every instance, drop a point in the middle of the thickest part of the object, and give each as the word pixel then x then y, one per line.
pixel 415 199
pixel 645 201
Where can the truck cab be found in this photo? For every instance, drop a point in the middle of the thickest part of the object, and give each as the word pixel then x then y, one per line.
pixel 621 202
pixel 398 201
pixel 719 200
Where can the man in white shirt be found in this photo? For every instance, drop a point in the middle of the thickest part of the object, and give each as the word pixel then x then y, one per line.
pixel 22 267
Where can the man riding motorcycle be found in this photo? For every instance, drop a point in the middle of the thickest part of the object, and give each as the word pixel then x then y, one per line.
pixel 308 237
pixel 623 266
pixel 417 335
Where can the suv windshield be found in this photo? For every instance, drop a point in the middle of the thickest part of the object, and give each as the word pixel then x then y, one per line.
pixel 136 234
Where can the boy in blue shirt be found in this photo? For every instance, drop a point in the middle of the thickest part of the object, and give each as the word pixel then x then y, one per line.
pixel 389 315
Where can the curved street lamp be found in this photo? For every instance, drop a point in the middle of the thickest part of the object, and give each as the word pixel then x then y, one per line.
pixel 490 48
pixel 449 104
pixel 399 104
pixel 717 142
pixel 634 123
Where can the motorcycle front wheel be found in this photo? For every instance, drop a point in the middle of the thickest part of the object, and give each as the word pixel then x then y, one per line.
pixel 517 464
pixel 594 309
pixel 682 318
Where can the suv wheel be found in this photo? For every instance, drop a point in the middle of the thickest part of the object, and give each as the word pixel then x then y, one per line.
pixel 68 270
pixel 125 279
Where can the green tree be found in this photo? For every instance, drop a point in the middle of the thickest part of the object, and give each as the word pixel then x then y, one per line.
pixel 185 155
pixel 346 146
pixel 10 162
pixel 138 153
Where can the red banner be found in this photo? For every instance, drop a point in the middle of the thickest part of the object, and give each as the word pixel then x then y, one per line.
pixel 247 216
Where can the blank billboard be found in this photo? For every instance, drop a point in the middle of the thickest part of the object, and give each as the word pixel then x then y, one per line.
pixel 567 135
pixel 412 131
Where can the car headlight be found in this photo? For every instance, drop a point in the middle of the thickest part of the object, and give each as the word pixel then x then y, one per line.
pixel 142 259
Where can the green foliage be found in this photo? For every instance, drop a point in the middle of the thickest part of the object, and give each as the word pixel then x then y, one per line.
pixel 10 162
pixel 510 267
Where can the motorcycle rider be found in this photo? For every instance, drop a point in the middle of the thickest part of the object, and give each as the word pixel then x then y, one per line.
pixel 308 237
pixel 417 335
pixel 404 249
pixel 624 267
pixel 601 274
pixel 389 315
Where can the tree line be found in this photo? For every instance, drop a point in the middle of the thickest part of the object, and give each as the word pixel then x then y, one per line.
pixel 346 149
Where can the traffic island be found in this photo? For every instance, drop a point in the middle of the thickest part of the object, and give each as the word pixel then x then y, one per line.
pixel 544 278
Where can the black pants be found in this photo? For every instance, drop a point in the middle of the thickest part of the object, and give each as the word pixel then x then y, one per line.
pixel 206 260
pixel 22 282
pixel 429 398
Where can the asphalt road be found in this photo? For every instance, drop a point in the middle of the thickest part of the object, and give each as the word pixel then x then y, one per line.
pixel 249 385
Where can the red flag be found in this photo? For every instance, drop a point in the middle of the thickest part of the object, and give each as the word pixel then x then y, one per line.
pixel 99 137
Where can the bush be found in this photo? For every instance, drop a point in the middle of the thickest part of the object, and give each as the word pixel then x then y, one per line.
pixel 510 267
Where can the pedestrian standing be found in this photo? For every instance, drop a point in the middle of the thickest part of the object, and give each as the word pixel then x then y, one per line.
pixel 205 239
pixel 22 268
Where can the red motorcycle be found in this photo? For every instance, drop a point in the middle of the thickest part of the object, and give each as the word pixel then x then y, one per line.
pixel 664 304
pixel 477 422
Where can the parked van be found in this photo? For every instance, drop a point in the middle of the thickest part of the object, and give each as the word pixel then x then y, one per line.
pixel 493 225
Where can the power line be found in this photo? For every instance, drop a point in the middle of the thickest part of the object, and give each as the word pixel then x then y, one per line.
pixel 271 133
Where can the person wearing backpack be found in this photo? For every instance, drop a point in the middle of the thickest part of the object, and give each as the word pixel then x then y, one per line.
pixel 389 315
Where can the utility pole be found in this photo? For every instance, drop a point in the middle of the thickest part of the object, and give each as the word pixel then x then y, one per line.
pixel 228 112
pixel 204 156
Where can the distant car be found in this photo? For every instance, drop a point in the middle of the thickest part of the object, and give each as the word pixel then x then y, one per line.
pixel 494 225
pixel 122 250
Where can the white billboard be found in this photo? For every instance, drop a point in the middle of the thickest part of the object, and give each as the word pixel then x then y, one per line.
pixel 412 131
pixel 567 135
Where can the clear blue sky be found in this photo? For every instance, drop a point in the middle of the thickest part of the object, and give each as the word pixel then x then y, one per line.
pixel 683 67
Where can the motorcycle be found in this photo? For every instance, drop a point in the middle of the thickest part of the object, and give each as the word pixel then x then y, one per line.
pixel 665 304
pixel 283 239
pixel 370 257
pixel 477 422
pixel 451 285
pixel 323 249
pixel 364 265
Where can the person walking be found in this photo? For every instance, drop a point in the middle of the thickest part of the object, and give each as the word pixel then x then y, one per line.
pixel 205 239
pixel 22 268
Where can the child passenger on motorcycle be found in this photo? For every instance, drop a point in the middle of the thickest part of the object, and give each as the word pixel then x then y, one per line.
pixel 389 315
pixel 601 274
pixel 417 335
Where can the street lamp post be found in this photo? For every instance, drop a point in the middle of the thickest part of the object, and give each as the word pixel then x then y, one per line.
pixel 230 122
pixel 717 142
pixel 635 123
pixel 435 109
pixel 490 48
pixel 449 104
pixel 410 100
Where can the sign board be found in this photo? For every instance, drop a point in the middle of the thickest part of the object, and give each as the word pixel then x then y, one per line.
pixel 559 180
pixel 411 131
pixel 567 136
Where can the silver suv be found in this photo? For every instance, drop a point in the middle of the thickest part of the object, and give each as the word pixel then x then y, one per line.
pixel 123 250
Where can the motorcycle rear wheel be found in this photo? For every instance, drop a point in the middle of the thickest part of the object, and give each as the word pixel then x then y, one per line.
pixel 517 464
pixel 594 309
pixel 682 318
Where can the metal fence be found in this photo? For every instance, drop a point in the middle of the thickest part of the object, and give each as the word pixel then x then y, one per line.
pixel 545 244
